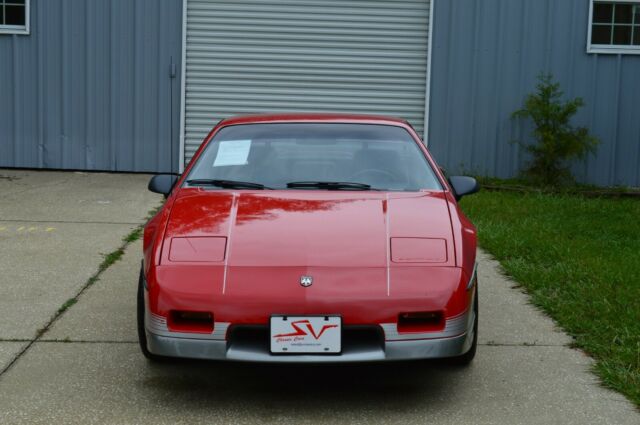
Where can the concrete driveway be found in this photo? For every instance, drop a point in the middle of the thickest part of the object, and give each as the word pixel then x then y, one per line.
pixel 86 367
pixel 54 229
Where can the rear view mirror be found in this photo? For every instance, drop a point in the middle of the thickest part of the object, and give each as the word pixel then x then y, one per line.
pixel 162 183
pixel 463 186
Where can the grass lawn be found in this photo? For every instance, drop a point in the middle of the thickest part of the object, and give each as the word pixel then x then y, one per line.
pixel 579 258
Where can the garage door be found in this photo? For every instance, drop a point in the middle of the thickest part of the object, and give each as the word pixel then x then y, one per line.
pixel 252 56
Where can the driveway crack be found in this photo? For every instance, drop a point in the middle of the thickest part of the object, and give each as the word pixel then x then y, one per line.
pixel 520 344
pixel 109 260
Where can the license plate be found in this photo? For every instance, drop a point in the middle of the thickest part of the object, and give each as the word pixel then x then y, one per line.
pixel 306 334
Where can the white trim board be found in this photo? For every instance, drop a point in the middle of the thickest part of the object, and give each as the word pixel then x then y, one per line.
pixel 183 87
pixel 427 96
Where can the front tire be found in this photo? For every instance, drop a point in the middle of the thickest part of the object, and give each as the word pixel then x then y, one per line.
pixel 142 333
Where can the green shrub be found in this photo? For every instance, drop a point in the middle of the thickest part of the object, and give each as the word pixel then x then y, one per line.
pixel 557 141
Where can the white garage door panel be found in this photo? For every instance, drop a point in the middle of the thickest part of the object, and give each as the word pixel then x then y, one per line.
pixel 358 56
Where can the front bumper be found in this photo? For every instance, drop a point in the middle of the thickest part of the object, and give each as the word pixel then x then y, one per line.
pixel 455 340
pixel 394 350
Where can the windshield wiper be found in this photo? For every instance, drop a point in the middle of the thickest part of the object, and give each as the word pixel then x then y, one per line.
pixel 329 185
pixel 226 184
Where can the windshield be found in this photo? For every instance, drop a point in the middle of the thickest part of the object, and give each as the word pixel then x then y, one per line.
pixel 321 156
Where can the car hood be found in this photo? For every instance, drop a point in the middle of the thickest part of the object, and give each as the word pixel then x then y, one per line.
pixel 309 228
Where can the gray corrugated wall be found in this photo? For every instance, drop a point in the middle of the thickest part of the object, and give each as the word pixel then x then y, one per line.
pixel 90 87
pixel 486 56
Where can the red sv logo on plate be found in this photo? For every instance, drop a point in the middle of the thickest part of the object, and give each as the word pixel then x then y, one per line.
pixel 301 332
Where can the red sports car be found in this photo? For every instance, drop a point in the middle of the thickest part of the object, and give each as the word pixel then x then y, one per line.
pixel 310 238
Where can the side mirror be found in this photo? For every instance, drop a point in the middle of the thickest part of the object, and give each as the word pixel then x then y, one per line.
pixel 463 186
pixel 162 183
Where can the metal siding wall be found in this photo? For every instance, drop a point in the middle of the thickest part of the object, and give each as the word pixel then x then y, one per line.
pixel 486 57
pixel 89 88
pixel 251 56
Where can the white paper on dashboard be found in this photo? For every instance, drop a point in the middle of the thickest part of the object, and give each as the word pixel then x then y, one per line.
pixel 232 152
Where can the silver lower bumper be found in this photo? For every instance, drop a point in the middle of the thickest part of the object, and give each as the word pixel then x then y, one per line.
pixel 393 350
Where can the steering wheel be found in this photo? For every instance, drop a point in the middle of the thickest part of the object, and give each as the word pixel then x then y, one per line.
pixel 373 171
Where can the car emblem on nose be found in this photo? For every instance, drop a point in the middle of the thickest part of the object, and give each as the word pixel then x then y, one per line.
pixel 306 281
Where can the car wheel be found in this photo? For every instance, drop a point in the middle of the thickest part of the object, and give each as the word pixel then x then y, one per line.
pixel 467 357
pixel 142 333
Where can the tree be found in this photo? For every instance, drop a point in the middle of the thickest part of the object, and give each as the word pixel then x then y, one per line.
pixel 557 141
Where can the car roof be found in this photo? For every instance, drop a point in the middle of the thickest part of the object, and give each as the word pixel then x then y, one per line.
pixel 314 117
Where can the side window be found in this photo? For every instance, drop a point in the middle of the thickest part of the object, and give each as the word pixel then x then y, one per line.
pixel 14 16
pixel 614 27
